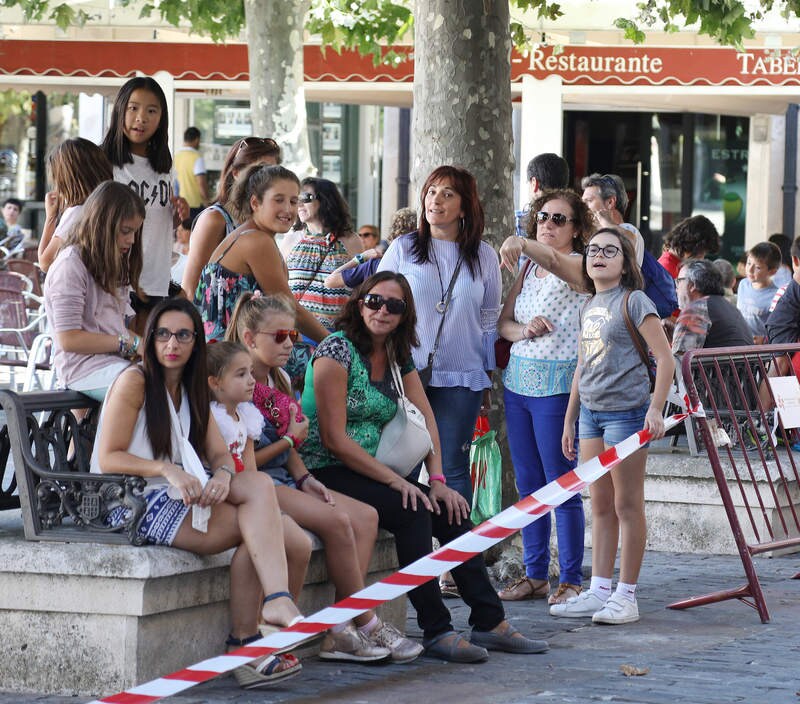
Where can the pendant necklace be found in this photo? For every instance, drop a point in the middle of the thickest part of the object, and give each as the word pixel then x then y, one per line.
pixel 440 306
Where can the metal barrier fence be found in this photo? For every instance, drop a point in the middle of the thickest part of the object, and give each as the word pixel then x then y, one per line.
pixel 753 456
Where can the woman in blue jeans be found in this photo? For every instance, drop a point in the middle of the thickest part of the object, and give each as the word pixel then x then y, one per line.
pixel 448 248
pixel 541 317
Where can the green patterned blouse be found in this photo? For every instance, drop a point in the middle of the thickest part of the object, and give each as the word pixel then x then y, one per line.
pixel 370 404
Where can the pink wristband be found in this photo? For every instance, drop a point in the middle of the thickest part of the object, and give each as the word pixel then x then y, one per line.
pixel 438 478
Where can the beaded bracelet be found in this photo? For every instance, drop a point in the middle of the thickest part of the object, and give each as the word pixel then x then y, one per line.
pixel 288 439
pixel 299 483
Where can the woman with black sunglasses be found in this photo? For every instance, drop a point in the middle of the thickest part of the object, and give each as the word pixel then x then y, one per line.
pixel 349 397
pixel 541 317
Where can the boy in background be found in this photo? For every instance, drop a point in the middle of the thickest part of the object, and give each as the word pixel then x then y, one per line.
pixel 756 290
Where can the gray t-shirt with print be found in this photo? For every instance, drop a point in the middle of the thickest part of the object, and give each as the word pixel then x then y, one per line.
pixel 613 377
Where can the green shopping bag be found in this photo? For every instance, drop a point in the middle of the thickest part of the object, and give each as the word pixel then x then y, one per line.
pixel 485 471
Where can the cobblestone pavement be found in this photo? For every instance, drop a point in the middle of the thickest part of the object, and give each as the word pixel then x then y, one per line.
pixel 717 654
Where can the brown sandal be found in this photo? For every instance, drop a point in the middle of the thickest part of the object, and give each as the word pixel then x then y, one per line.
pixel 565 591
pixel 525 588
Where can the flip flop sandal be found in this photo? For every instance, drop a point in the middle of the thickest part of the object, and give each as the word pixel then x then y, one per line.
pixel 565 591
pixel 523 589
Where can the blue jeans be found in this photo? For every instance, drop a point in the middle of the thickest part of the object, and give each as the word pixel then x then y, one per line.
pixel 535 425
pixel 456 409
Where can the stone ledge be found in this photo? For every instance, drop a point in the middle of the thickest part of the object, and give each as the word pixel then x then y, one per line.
pixel 685 511
pixel 92 619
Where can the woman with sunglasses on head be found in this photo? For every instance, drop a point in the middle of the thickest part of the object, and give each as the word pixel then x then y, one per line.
pixel 248 258
pixel 349 396
pixel 216 222
pixel 326 241
pixel 611 394
pixel 541 318
pixel 156 424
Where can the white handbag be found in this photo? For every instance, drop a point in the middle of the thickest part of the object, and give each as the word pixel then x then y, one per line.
pixel 405 440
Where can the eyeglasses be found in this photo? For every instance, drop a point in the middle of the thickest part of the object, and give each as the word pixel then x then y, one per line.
pixel 280 335
pixel 559 219
pixel 307 197
pixel 609 251
pixel 395 306
pixel 252 141
pixel 184 336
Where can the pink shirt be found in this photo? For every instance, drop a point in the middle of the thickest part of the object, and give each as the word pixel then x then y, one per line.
pixel 74 301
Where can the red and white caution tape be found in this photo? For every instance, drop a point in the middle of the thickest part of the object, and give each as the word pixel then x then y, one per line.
pixel 447 557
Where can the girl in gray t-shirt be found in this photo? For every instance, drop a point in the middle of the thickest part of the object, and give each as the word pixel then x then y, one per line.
pixel 610 390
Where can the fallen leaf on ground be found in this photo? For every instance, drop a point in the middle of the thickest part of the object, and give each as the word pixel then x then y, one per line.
pixel 633 671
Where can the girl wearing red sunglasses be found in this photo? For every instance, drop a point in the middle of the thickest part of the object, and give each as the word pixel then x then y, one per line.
pixel 347 527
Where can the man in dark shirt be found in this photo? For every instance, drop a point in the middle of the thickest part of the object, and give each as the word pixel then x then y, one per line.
pixel 706 318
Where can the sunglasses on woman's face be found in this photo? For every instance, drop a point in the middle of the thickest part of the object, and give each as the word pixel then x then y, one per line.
pixel 280 335
pixel 395 306
pixel 307 197
pixel 559 219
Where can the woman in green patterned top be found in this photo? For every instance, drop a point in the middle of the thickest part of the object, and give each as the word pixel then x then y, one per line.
pixel 349 396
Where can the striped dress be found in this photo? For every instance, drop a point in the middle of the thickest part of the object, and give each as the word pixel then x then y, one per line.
pixel 309 288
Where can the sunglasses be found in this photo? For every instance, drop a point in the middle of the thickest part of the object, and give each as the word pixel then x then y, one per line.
pixel 307 197
pixel 252 141
pixel 609 251
pixel 184 336
pixel 281 335
pixel 374 301
pixel 559 220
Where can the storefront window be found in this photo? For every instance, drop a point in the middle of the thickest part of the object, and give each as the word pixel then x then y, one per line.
pixel 720 177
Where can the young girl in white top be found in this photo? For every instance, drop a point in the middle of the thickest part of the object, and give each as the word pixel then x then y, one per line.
pixel 231 382
pixel 137 145
pixel 347 527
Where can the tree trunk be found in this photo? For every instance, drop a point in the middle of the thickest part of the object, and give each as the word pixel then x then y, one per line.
pixel 277 97
pixel 462 116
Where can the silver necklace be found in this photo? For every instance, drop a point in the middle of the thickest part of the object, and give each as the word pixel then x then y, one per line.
pixel 440 306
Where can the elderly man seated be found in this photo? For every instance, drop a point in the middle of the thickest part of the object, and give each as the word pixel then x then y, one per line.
pixel 706 318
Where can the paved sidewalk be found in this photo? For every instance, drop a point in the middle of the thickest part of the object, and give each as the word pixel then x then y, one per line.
pixel 717 654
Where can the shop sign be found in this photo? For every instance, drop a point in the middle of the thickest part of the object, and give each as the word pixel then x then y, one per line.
pixel 622 65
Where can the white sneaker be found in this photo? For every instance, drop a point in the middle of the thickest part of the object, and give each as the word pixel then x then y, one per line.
pixel 617 610
pixel 582 606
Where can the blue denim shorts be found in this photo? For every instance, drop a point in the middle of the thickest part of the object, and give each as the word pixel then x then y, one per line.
pixel 612 426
